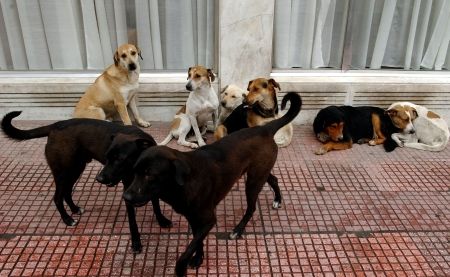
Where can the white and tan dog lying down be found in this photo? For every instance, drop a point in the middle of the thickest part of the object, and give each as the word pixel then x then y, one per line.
pixel 422 128
pixel 259 107
pixel 114 90
pixel 202 103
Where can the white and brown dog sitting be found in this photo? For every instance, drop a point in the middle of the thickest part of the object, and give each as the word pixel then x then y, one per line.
pixel 202 103
pixel 422 128
pixel 230 98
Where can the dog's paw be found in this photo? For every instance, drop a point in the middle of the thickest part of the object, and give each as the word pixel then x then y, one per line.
pixel 144 123
pixel 234 235
pixel 201 143
pixel 196 261
pixel 322 137
pixel 180 268
pixel 164 222
pixel 321 151
pixel 70 221
pixel 372 142
pixel 193 145
pixel 136 247
pixel 276 205
pixel 80 211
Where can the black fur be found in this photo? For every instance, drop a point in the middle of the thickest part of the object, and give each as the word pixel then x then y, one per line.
pixel 357 123
pixel 72 143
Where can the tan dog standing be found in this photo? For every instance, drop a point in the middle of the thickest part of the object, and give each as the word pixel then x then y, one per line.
pixel 114 90
pixel 201 104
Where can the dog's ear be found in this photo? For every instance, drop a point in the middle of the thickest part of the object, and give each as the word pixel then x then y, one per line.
pixel 139 53
pixel 414 114
pixel 249 84
pixel 211 75
pixel 116 58
pixel 181 170
pixel 143 143
pixel 391 112
pixel 274 84
pixel 224 89
pixel 189 70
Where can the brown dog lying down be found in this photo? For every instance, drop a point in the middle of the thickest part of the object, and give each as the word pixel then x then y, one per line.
pixel 72 143
pixel 193 183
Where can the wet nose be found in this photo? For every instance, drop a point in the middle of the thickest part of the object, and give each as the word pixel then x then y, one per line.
pixel 412 131
pixel 223 103
pixel 189 86
pixel 132 66
pixel 127 197
pixel 100 178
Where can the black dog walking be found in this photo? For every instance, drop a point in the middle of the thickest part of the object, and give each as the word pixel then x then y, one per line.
pixel 72 143
pixel 193 183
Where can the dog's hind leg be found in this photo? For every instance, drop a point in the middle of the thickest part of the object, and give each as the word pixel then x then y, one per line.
pixel 63 188
pixel 68 189
pixel 273 183
pixel 253 187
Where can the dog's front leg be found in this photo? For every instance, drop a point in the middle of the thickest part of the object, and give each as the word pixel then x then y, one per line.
pixel 136 245
pixel 198 135
pixel 123 113
pixel 135 111
pixel 200 230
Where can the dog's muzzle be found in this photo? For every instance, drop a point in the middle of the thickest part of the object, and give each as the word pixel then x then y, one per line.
pixel 102 180
pixel 129 199
pixel 189 86
pixel 132 66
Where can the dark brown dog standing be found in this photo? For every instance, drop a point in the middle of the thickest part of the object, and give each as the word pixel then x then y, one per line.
pixel 193 183
pixel 72 143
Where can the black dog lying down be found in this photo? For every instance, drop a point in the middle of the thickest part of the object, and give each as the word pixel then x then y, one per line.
pixel 72 143
pixel 338 127
pixel 193 183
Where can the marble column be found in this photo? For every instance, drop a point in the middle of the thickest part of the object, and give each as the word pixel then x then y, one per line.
pixel 245 40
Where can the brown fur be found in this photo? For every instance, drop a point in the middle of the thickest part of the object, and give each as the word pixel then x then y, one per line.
pixel 114 89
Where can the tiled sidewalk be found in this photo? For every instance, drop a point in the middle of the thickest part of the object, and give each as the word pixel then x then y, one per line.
pixel 359 212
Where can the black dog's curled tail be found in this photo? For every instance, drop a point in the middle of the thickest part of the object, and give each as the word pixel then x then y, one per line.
pixel 296 105
pixel 18 134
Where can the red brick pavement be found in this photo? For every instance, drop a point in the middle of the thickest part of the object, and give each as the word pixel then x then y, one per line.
pixel 359 212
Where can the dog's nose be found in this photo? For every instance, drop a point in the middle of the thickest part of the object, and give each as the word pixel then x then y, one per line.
pixel 223 103
pixel 412 131
pixel 132 66
pixel 128 197
pixel 100 178
pixel 189 86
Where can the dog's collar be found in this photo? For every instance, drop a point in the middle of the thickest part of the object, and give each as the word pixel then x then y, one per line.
pixel 266 113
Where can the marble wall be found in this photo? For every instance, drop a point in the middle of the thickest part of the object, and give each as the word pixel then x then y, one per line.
pixel 245 40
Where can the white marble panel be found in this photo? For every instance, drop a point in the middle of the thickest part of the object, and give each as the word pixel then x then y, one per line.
pixel 245 41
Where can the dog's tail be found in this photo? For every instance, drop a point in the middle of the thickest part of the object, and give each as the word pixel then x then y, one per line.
pixel 294 109
pixel 389 144
pixel 167 139
pixel 421 146
pixel 18 134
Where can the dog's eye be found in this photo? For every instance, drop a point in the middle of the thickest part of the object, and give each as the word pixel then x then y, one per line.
pixel 234 96
pixel 124 56
pixel 133 53
pixel 264 85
